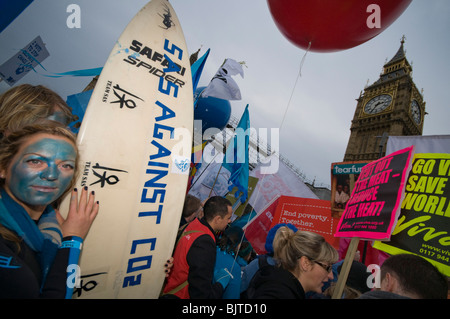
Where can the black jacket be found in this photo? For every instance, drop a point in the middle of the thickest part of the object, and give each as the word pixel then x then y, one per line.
pixel 20 273
pixel 379 294
pixel 201 259
pixel 273 282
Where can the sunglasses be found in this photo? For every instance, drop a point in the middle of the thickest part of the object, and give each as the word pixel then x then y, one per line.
pixel 324 266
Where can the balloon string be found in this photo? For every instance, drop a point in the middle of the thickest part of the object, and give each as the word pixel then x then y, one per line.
pixel 295 84
pixel 281 124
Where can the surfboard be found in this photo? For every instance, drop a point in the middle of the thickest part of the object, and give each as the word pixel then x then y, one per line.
pixel 135 145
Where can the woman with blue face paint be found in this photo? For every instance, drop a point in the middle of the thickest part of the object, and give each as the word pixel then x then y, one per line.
pixel 39 249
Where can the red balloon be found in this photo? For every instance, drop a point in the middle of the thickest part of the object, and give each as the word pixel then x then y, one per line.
pixel 334 25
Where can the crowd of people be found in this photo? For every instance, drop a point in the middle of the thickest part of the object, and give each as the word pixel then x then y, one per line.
pixel 298 265
pixel 211 259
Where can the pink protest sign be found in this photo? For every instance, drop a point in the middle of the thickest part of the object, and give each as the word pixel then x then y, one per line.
pixel 373 208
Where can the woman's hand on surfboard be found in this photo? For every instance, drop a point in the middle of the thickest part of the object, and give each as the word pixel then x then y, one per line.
pixel 168 266
pixel 81 215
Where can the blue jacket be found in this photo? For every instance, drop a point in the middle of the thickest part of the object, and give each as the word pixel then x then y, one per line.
pixel 39 267
pixel 225 260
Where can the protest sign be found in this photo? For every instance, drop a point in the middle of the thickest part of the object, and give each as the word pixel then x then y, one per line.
pixel 257 229
pixel 308 214
pixel 374 205
pixel 22 62
pixel 343 177
pixel 423 227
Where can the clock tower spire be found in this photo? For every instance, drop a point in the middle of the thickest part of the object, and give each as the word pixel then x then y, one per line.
pixel 391 106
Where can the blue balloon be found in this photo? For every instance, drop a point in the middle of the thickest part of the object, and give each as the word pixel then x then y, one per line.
pixel 213 112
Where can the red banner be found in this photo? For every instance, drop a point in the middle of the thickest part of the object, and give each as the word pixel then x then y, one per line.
pixel 308 214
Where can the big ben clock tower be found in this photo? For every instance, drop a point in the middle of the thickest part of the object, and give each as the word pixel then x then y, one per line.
pixel 392 106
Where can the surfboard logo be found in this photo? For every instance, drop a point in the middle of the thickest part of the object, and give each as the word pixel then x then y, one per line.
pixel 86 285
pixel 124 97
pixel 167 18
pixel 161 65
pixel 181 165
pixel 103 175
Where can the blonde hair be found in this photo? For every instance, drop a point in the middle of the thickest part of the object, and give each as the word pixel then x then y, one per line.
pixel 28 104
pixel 348 293
pixel 289 247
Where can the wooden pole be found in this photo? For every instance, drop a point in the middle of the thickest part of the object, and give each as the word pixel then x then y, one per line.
pixel 342 279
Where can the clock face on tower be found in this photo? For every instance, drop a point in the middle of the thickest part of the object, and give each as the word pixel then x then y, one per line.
pixel 378 104
pixel 415 112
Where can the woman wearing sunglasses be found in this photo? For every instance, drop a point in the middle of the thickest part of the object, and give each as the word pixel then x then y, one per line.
pixel 304 261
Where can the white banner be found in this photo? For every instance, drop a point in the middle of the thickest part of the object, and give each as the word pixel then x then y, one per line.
pixel 423 144
pixel 283 182
pixel 222 85
pixel 22 62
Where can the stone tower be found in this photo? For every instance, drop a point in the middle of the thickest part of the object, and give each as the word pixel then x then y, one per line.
pixel 391 106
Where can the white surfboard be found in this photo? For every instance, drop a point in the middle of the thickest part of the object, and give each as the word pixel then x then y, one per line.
pixel 135 143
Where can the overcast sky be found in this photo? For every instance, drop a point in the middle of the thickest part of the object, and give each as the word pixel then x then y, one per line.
pixel 317 126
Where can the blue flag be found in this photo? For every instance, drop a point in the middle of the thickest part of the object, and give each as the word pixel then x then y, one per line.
pixel 236 157
pixel 78 103
pixel 11 10
pixel 197 68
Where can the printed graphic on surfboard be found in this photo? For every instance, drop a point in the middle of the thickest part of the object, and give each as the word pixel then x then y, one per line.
pixel 135 143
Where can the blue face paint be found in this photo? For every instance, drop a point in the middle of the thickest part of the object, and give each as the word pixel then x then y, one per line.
pixel 42 170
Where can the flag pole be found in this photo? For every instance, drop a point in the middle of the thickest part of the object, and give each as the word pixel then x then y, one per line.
pixel 212 188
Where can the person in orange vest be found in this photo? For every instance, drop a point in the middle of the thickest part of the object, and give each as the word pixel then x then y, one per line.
pixel 192 275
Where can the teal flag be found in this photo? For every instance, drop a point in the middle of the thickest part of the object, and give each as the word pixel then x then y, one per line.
pixel 236 157
pixel 197 69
